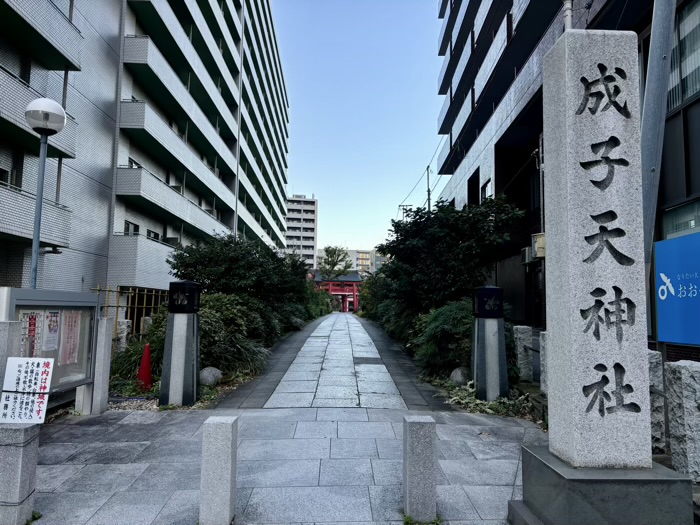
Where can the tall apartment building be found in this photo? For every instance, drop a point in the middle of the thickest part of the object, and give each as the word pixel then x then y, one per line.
pixel 177 130
pixel 302 228
pixel 492 118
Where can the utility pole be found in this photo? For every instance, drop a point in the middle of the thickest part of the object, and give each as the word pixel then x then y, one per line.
pixel 427 171
pixel 405 207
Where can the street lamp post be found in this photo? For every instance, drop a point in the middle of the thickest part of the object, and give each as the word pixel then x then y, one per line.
pixel 46 117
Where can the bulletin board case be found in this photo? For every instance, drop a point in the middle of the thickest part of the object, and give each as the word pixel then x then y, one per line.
pixel 56 324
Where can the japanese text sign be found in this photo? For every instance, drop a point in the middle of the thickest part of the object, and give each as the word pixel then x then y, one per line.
pixel 678 289
pixel 25 390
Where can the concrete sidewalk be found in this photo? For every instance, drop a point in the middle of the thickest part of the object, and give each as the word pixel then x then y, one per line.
pixel 310 464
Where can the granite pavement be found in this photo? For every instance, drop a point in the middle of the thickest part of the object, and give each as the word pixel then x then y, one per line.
pixel 318 451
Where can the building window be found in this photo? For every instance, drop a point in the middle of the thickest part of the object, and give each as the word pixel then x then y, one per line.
pixel 153 235
pixel 485 190
pixel 473 188
pixel 25 68
pixel 685 56
pixel 682 220
pixel 131 228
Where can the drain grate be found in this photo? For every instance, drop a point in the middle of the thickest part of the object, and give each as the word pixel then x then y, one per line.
pixel 368 360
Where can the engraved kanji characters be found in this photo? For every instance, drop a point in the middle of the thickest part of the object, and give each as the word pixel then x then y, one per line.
pixel 622 313
pixel 592 90
pixel 596 391
pixel 616 316
pixel 592 314
pixel 603 150
pixel 602 239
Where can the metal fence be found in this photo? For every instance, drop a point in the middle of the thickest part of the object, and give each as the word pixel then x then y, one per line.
pixel 129 303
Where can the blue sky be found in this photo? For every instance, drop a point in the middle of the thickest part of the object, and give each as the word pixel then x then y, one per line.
pixel 361 79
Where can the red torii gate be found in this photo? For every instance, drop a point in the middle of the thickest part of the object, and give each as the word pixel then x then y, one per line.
pixel 347 287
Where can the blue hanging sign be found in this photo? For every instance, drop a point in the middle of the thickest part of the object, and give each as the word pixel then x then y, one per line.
pixel 678 290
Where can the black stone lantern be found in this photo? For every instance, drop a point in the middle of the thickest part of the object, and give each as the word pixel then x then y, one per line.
pixel 488 302
pixel 184 297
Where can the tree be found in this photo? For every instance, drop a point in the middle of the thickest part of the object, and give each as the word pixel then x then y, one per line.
pixel 442 256
pixel 231 265
pixel 335 263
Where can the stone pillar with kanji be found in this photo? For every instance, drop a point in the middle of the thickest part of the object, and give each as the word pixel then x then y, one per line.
pixel 598 463
pixel 596 319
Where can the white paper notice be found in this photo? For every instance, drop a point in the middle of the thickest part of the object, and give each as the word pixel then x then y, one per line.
pixel 25 390
pixel 22 408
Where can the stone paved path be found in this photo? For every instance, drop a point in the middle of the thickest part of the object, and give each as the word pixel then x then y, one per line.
pixel 311 464
pixel 337 367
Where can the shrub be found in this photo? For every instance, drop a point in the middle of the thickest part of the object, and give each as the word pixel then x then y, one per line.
pixel 442 338
pixel 227 349
pixel 319 302
pixel 125 364
pixel 224 341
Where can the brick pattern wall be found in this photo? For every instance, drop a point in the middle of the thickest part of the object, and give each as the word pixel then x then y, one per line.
pixel 138 261
pixel 50 21
pixel 86 181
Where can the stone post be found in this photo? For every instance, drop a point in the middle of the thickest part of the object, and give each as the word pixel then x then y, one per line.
pixel 489 364
pixel 598 370
pixel 598 468
pixel 19 453
pixel 543 362
pixel 683 396
pixel 657 401
pixel 179 381
pixel 10 343
pixel 523 339
pixel 93 399
pixel 419 468
pixel 123 331
pixel 217 503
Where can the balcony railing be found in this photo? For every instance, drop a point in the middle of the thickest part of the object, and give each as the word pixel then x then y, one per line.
pixel 40 28
pixel 139 183
pixel 15 94
pixel 145 125
pixel 157 78
pixel 17 217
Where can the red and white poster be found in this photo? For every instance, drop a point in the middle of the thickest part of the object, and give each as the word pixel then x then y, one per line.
pixel 70 337
pixel 32 322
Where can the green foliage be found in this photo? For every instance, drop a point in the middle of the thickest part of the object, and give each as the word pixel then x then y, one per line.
pixel 36 515
pixel 423 295
pixel 125 364
pixel 251 297
pixel 515 405
pixel 442 256
pixel 408 520
pixel 250 269
pixel 442 338
pixel 335 263
pixel 319 302
pixel 130 388
pixel 223 339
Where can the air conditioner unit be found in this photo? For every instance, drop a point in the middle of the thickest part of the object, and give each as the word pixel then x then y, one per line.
pixel 210 211
pixel 177 189
pixel 538 245
pixel 172 240
pixel 526 255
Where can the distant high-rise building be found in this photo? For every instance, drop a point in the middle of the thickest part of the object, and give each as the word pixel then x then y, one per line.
pixel 176 131
pixel 363 261
pixel 302 227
